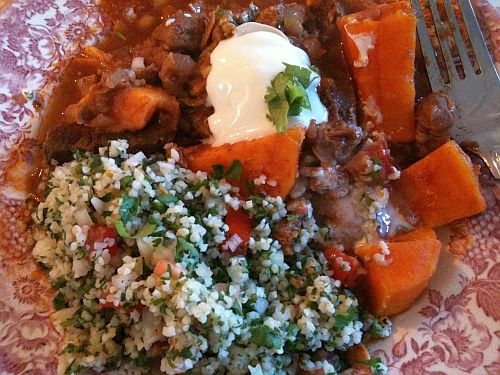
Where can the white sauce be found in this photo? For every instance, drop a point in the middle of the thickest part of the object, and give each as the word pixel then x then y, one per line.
pixel 242 69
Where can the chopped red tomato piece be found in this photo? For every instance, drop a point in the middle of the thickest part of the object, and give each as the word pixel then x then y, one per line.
pixel 238 235
pixel 102 237
pixel 110 305
pixel 372 163
pixel 345 267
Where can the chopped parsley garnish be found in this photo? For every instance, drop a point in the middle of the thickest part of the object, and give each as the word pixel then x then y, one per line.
pixel 267 337
pixel 233 172
pixel 129 208
pixel 59 301
pixel 183 248
pixel 287 95
pixel 376 365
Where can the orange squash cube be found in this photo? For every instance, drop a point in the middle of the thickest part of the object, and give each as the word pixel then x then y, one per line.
pixel 394 285
pixel 379 45
pixel 276 156
pixel 442 187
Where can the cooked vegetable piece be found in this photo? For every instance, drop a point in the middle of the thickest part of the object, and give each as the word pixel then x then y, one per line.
pixel 345 267
pixel 275 156
pixel 134 106
pixel 379 45
pixel 102 237
pixel 442 187
pixel 238 235
pixel 393 285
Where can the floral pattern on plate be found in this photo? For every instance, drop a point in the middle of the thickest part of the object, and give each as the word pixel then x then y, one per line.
pixel 453 329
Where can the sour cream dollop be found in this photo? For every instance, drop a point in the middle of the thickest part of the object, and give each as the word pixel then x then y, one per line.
pixel 243 66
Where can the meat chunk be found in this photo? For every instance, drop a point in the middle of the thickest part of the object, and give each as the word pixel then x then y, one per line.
pixel 286 231
pixel 181 33
pixel 327 179
pixel 435 117
pixel 294 16
pixel 333 142
pixel 272 16
pixel 175 71
pixel 62 141
pixel 340 104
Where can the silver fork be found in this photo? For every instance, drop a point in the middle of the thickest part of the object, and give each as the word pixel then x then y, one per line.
pixel 477 96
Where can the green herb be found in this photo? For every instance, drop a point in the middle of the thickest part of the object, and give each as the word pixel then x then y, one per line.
pixel 183 247
pixel 120 35
pixel 218 171
pixel 81 252
pixel 376 364
pixel 78 154
pixel 107 197
pixel 186 353
pixel 145 231
pixel 129 208
pixel 72 348
pixel 238 309
pixel 68 323
pixel 287 95
pixel 250 186
pixel 126 183
pixel 141 360
pixel 61 283
pixel 105 214
pixel 267 337
pixel 342 321
pixel 366 200
pixel 96 164
pixel 233 172
pixel 162 201
pixel 59 301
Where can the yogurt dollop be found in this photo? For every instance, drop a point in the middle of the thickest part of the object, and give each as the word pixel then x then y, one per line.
pixel 243 66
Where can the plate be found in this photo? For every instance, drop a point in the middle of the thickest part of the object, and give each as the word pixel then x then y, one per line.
pixel 454 328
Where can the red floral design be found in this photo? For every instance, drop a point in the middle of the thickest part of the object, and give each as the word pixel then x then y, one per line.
pixel 453 329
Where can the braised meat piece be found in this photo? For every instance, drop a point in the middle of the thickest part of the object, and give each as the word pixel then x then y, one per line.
pixel 175 71
pixel 272 16
pixel 62 141
pixel 327 179
pixel 181 33
pixel 435 117
pixel 341 106
pixel 333 141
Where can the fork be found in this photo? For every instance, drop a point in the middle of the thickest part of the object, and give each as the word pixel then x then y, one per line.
pixel 477 95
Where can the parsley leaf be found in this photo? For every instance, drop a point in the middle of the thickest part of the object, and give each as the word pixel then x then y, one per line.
pixel 267 337
pixel 59 301
pixel 287 95
pixel 234 171
pixel 218 171
pixel 183 247
pixel 377 366
pixel 129 208
pixel 145 231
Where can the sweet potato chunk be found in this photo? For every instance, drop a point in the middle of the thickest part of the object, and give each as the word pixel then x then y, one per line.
pixel 393 286
pixel 442 187
pixel 275 156
pixel 379 45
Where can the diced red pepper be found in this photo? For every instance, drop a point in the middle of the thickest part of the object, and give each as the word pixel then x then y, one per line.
pixel 238 235
pixel 101 234
pixel 345 267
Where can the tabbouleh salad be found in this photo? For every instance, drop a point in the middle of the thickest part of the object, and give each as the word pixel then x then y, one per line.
pixel 146 269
